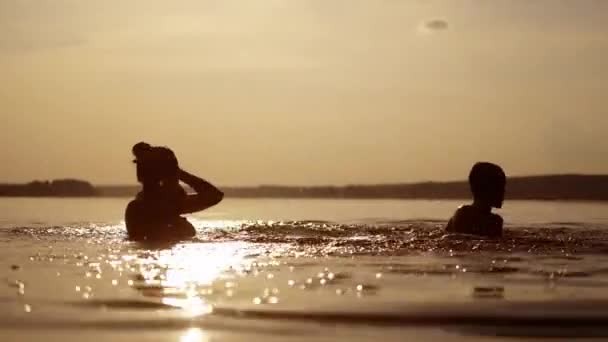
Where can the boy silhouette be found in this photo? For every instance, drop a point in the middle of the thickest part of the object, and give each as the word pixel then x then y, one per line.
pixel 487 183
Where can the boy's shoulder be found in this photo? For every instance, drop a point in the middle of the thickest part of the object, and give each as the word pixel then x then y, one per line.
pixel 468 220
pixel 465 211
pixel 464 208
pixel 462 212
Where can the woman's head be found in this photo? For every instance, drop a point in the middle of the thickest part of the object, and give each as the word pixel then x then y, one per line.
pixel 155 164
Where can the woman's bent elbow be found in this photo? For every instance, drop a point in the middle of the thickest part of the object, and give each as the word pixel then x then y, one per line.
pixel 219 196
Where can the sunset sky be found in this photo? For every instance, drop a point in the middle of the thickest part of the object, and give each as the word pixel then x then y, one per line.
pixel 303 91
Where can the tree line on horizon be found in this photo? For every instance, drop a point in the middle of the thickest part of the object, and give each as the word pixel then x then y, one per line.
pixel 55 188
pixel 548 187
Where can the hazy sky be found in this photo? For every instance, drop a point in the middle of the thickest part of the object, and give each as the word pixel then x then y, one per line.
pixel 303 91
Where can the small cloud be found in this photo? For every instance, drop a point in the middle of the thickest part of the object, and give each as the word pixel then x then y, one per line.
pixel 433 25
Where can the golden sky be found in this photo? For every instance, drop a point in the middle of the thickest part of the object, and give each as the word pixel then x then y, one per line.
pixel 303 91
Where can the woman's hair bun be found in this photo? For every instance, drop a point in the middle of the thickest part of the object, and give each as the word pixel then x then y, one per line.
pixel 140 148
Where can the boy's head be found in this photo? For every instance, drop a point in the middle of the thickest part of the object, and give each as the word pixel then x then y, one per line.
pixel 488 183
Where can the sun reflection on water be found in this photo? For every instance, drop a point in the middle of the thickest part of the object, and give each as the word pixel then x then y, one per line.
pixel 193 306
pixel 183 275
pixel 193 335
pixel 199 264
pixel 206 225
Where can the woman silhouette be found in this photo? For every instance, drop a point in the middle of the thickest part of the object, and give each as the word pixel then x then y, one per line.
pixel 155 214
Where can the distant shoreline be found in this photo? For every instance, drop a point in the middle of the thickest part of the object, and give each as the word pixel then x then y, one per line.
pixel 325 198
pixel 545 187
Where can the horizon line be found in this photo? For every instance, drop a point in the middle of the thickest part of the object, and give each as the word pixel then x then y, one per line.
pixel 326 185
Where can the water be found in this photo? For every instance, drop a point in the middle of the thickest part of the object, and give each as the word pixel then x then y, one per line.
pixel 302 269
pixel 54 211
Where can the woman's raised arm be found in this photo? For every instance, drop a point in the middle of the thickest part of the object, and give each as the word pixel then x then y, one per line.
pixel 206 195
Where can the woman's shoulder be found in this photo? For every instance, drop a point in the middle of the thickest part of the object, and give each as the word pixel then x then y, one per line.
pixel 134 218
pixel 134 207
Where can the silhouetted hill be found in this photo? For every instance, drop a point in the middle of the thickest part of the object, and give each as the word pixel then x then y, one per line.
pixel 549 187
pixel 552 187
pixel 118 190
pixel 56 188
